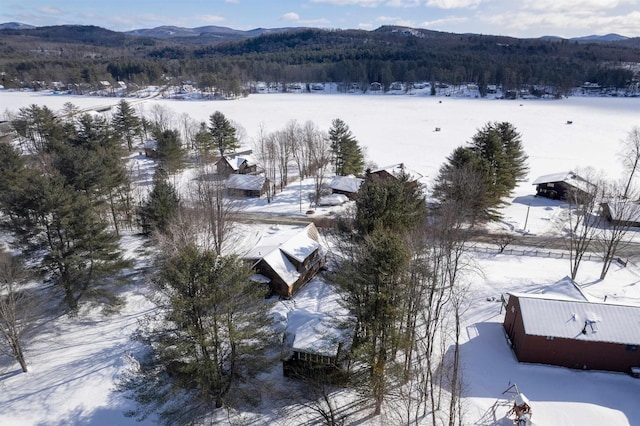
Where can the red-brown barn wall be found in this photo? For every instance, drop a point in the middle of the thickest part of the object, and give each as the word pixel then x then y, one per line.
pixel 580 354
pixel 565 352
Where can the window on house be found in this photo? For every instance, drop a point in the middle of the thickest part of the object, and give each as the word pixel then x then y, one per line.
pixel 632 348
pixel 549 337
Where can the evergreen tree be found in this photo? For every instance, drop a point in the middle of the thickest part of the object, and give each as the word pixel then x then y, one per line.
pixel 161 205
pixel 374 274
pixel 127 123
pixel 214 337
pixel 394 204
pixel 464 181
pixel 56 203
pixel 348 157
pixel 223 133
pixel 170 151
pixel 501 146
pixel 203 141
pixel 478 176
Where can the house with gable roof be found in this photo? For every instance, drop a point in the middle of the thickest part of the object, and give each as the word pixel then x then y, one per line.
pixel 320 349
pixel 560 185
pixel 622 212
pixel 228 165
pixel 286 259
pixel 346 185
pixel 246 185
pixel 573 332
pixel 395 171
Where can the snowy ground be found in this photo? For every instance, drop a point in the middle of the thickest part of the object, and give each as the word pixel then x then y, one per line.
pixel 74 362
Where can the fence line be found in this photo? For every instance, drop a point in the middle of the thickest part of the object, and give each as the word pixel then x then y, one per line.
pixel 535 253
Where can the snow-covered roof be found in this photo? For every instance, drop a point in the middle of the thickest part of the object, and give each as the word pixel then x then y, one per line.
pixel 303 244
pixel 346 183
pixel 564 289
pixel 626 210
pixel 333 200
pixel 570 178
pixel 398 169
pixel 322 336
pixel 245 182
pixel 602 322
pixel 282 266
pixel 297 243
pixel 236 162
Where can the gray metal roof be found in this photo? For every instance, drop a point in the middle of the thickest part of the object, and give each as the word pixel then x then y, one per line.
pixel 601 322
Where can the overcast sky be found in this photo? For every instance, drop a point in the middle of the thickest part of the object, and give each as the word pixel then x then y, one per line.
pixel 518 18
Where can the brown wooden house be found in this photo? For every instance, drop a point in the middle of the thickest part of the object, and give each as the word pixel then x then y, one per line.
pixel 559 186
pixel 287 260
pixel 250 186
pixel 394 172
pixel 243 165
pixel 320 349
pixel 346 185
pixel 573 333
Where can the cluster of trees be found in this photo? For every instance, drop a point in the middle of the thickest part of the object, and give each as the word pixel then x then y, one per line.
pixel 344 56
pixel 313 152
pixel 65 193
pixel 401 272
pixel 483 172
pixel 583 223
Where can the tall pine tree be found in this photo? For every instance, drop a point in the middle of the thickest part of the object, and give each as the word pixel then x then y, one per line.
pixel 223 133
pixel 160 207
pixel 348 157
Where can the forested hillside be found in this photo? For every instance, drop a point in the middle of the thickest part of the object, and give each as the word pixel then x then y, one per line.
pixel 85 55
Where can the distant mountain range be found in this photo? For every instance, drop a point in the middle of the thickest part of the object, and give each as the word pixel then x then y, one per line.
pixel 212 33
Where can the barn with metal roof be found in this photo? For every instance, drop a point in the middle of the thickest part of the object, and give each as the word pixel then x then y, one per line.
pixel 573 333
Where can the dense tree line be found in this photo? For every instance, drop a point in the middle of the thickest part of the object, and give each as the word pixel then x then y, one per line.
pixel 64 195
pixel 348 56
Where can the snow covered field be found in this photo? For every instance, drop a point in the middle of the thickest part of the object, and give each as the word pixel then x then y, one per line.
pixel 74 362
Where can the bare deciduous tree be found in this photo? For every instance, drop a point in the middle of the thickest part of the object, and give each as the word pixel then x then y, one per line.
pixel 265 151
pixel 582 219
pixel 319 156
pixel 621 212
pixel 631 156
pixel 218 212
pixel 16 307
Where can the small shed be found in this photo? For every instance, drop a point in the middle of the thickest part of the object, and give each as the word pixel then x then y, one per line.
pixel 250 186
pixel 151 149
pixel 346 185
pixel 622 212
pixel 320 349
pixel 559 186
pixel 573 333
